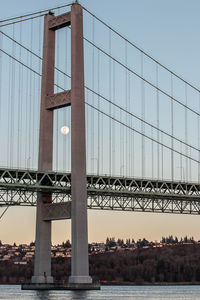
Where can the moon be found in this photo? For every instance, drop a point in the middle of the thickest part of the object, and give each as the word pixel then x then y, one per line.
pixel 64 130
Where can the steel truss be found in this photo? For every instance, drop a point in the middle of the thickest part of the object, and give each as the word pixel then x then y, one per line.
pixel 20 187
pixel 144 204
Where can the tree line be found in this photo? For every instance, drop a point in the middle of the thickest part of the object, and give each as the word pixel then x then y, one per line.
pixel 171 264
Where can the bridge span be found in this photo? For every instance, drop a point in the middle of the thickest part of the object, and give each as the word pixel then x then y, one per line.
pixel 20 187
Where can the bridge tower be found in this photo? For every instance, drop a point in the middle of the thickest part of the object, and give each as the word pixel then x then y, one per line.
pixel 49 102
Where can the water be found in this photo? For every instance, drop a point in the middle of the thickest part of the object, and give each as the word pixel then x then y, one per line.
pixel 106 293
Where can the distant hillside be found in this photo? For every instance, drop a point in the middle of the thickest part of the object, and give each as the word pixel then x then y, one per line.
pixel 176 264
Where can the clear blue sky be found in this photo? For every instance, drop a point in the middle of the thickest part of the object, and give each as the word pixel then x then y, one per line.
pixel 167 30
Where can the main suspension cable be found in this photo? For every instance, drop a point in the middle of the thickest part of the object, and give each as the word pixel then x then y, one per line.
pixel 35 13
pixel 109 101
pixel 139 49
pixel 19 21
pixel 142 78
pixel 120 63
pixel 137 131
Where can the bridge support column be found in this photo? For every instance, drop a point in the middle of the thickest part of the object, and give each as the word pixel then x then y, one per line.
pixel 80 265
pixel 42 263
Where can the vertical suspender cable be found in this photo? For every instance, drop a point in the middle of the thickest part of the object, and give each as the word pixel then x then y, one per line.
pixel 1 66
pixel 190 165
pixel 33 122
pixel 39 82
pixel 102 143
pixel 126 162
pixel 31 110
pixel 87 128
pixel 113 124
pixel 19 104
pixel 172 130
pixel 132 145
pixel 26 110
pixel 21 113
pixel 143 116
pixel 199 143
pixel 190 162
pixel 12 102
pixel 132 137
pixel 34 148
pixel 121 146
pixel 152 153
pixel 162 158
pixel 158 124
pixel 181 164
pixel 98 106
pixel 9 112
pixel 186 134
pixel 92 111
pixel 110 131
pixel 129 124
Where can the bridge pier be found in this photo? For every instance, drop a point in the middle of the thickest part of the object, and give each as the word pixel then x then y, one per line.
pixel 42 262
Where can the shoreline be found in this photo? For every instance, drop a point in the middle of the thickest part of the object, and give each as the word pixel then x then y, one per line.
pixel 147 283
pixel 118 283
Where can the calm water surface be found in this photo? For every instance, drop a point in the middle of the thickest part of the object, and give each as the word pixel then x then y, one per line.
pixel 106 293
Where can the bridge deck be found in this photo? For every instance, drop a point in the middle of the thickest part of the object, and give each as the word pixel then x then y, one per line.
pixel 20 187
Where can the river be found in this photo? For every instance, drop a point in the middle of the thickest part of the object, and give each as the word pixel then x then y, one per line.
pixel 106 293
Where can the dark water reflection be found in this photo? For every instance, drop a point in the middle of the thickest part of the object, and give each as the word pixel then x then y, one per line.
pixel 106 293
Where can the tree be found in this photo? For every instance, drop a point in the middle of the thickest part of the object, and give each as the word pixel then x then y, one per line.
pixel 110 242
pixel 163 241
pixel 120 242
pixel 176 240
pixel 67 244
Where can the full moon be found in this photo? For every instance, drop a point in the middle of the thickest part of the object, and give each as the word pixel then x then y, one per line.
pixel 64 130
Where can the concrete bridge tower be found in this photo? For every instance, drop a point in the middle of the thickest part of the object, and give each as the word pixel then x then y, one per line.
pixel 49 102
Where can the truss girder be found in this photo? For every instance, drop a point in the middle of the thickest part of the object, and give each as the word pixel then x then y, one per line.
pixel 144 205
pixel 35 181
pixel 20 187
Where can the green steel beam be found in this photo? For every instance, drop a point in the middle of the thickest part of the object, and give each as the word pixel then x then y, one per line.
pixel 20 187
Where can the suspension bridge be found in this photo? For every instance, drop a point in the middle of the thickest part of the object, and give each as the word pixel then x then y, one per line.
pixel 129 117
